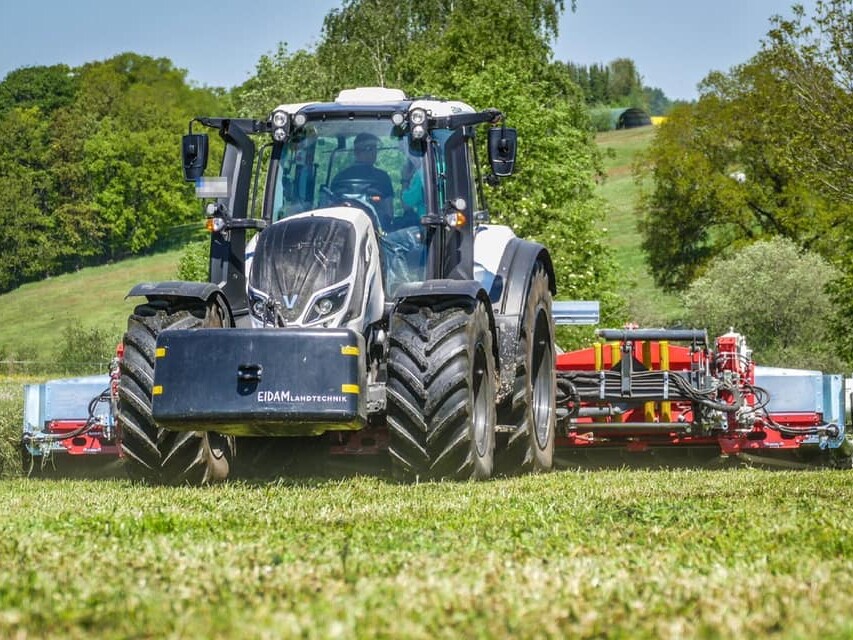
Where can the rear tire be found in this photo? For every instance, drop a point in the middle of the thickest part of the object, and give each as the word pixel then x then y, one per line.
pixel 532 409
pixel 441 391
pixel 153 454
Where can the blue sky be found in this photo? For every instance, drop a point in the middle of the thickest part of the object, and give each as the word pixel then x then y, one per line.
pixel 674 43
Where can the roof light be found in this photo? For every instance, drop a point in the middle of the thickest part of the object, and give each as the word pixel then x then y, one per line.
pixel 280 121
pixel 367 95
pixel 417 116
pixel 279 118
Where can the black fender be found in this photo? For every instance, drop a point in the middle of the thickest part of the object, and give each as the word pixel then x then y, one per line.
pixel 174 290
pixel 423 292
pixel 514 271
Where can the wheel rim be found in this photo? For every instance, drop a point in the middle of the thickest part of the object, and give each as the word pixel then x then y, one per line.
pixel 480 408
pixel 543 391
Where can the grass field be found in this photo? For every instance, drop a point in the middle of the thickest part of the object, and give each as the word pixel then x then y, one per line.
pixel 617 554
pixel 33 316
pixel 648 306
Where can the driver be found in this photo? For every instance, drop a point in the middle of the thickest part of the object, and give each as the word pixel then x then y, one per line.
pixel 365 147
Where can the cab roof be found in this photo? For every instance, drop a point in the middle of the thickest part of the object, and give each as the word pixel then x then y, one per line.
pixel 365 101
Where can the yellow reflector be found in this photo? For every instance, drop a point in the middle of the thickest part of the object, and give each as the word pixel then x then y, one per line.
pixel 349 350
pixel 160 352
pixel 157 390
pixel 349 388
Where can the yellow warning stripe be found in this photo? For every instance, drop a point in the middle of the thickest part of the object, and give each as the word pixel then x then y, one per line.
pixel 349 388
pixel 349 350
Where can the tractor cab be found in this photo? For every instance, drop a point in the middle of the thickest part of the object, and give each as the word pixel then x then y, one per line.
pixel 405 169
pixel 410 165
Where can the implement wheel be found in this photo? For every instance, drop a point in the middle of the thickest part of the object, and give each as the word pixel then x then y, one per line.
pixel 151 453
pixel 532 409
pixel 441 391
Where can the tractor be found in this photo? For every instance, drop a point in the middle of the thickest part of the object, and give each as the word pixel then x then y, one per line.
pixel 358 300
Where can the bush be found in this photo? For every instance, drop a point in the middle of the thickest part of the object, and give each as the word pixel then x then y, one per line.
pixel 85 351
pixel 775 295
pixel 20 360
pixel 194 265
pixel 602 119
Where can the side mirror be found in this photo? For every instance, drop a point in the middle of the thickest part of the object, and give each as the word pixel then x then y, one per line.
pixel 503 143
pixel 194 155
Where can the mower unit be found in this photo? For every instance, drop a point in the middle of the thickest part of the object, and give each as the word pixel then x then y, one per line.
pixel 639 391
pixel 68 418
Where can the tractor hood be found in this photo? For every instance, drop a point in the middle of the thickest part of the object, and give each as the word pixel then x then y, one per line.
pixel 304 270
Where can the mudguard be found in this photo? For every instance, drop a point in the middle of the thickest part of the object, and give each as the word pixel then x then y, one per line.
pixel 513 274
pixel 433 289
pixel 177 289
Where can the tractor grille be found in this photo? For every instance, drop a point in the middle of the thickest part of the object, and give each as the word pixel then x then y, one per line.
pixel 296 258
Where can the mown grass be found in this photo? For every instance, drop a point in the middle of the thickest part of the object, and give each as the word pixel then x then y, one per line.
pixel 618 554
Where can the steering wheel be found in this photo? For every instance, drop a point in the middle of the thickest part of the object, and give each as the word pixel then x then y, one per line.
pixel 356 192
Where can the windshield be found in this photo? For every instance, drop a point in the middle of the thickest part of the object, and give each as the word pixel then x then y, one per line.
pixel 350 158
pixel 366 163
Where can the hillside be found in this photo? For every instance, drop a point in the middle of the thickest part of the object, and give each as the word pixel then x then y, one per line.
pixel 34 316
pixel 646 303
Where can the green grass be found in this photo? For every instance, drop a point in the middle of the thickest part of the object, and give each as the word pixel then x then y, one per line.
pixel 647 305
pixel 621 554
pixel 33 316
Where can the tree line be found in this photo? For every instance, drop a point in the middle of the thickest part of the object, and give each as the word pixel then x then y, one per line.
pixel 88 162
pixel 617 84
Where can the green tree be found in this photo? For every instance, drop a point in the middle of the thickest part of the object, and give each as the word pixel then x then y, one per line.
pixel 625 85
pixel 47 88
pixel 90 166
pixel 775 294
pixel 282 77
pixel 656 100
pixel 599 84
pixel 724 176
pixel 813 55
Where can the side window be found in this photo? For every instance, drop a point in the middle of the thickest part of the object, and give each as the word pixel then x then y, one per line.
pixel 477 202
pixel 459 183
pixel 458 245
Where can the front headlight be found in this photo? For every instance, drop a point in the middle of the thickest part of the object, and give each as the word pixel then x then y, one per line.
pixel 326 304
pixel 260 307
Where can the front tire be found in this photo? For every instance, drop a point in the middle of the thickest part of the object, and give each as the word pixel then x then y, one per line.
pixel 441 391
pixel 151 453
pixel 532 409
